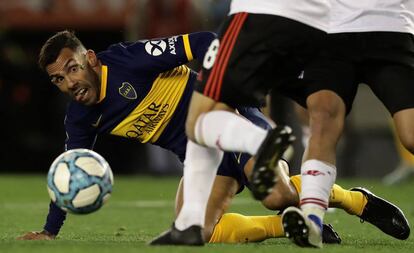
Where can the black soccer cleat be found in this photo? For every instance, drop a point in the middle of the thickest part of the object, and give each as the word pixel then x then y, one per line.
pixel 192 236
pixel 303 231
pixel 264 174
pixel 329 235
pixel 384 215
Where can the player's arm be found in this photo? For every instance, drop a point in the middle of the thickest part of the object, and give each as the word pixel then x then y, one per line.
pixel 198 44
pixel 162 54
pixel 76 137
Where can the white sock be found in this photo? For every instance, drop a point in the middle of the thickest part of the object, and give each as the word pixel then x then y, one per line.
pixel 229 132
pixel 200 168
pixel 317 180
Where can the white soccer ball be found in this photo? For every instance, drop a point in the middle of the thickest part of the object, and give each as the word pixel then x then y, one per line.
pixel 80 181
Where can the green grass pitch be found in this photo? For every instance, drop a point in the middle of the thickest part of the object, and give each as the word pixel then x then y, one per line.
pixel 142 207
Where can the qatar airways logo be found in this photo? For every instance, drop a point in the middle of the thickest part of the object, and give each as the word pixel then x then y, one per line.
pixel 155 47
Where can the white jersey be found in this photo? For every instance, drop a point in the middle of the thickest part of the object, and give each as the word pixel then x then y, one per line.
pixel 314 13
pixel 372 16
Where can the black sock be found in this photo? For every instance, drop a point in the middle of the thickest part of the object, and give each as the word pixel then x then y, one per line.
pixel 55 219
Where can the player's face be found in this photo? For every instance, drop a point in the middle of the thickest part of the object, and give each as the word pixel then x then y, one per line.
pixel 73 74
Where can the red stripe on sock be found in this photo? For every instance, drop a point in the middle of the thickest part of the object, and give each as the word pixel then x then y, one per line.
pixel 315 201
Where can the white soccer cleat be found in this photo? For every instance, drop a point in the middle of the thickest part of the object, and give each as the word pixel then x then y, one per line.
pixel 303 231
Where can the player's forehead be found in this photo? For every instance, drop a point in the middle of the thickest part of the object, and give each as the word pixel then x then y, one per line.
pixel 65 56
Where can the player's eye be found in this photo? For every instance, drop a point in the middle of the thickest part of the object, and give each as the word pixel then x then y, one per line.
pixel 58 80
pixel 74 68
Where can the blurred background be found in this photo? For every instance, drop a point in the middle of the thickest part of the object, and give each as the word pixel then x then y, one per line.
pixel 32 110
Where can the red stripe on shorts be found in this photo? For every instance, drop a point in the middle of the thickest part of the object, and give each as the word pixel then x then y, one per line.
pixel 215 80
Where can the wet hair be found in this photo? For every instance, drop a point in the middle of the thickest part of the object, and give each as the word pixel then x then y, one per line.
pixel 52 47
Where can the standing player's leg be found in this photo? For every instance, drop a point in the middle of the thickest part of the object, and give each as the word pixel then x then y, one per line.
pixel 332 83
pixel 391 80
pixel 222 81
pixel 327 115
pixel 217 130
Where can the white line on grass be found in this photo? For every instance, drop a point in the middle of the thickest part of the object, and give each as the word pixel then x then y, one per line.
pixel 135 203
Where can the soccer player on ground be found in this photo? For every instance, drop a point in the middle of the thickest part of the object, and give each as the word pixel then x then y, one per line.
pixel 369 42
pixel 104 87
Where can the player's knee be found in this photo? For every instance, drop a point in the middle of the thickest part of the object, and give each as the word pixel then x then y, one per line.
pixel 325 106
pixel 327 115
pixel 272 203
pixel 278 201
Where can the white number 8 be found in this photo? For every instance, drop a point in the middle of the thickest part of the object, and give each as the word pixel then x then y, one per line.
pixel 211 54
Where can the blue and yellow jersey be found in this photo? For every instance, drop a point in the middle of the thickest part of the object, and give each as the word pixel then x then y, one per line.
pixel 143 87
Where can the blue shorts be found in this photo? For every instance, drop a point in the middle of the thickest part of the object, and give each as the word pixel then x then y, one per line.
pixel 233 163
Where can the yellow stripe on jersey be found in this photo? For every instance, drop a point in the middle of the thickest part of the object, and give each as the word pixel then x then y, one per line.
pixel 187 47
pixel 104 78
pixel 149 119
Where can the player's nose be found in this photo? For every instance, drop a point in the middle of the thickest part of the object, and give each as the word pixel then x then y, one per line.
pixel 71 83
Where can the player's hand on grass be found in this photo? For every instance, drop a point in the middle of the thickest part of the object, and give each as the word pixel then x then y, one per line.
pixel 37 235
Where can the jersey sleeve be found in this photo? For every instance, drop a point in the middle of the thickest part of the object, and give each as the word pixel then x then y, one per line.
pixel 80 132
pixel 161 54
pixel 199 43
pixel 76 137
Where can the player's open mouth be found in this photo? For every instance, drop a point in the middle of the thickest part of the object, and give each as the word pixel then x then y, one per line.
pixel 81 94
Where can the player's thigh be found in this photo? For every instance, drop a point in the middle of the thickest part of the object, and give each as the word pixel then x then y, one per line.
pixel 222 77
pixel 389 69
pixel 245 62
pixel 393 84
pixel 330 85
pixel 200 104
pixel 391 78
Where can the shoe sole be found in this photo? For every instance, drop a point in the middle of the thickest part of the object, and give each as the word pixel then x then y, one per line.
pixel 264 173
pixel 297 229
